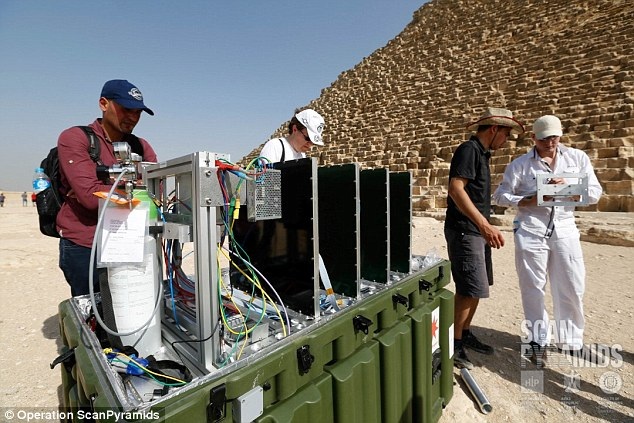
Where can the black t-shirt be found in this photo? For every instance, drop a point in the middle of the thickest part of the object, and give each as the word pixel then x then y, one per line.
pixel 470 161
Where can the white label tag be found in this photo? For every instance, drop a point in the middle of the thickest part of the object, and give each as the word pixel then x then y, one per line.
pixel 123 234
pixel 435 329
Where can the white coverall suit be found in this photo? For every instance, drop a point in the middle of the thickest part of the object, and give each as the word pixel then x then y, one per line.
pixel 547 247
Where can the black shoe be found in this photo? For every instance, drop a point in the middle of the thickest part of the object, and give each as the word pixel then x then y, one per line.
pixel 461 361
pixel 470 341
pixel 538 355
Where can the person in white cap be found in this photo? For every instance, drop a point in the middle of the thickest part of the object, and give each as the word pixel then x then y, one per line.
pixel 304 130
pixel 547 245
pixel 468 233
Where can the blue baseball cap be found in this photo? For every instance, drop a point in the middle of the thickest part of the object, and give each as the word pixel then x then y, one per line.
pixel 124 94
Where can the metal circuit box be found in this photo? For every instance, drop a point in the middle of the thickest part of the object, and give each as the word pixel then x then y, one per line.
pixel 562 194
pixel 265 193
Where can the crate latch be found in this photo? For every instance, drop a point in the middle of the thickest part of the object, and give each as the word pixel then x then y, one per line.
pixel 67 358
pixel 399 299
pixel 217 402
pixel 361 323
pixel 304 359
pixel 424 285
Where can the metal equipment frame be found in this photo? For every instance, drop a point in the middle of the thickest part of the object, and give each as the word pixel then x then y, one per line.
pixel 194 178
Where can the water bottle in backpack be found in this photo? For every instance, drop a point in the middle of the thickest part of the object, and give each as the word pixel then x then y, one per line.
pixel 40 180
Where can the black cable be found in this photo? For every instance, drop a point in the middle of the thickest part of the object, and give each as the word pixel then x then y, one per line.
pixel 187 341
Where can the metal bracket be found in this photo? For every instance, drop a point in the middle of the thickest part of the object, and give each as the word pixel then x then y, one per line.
pixel 361 323
pixel 304 359
pixel 560 194
pixel 217 403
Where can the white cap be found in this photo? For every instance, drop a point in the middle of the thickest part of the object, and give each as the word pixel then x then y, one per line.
pixel 547 126
pixel 314 124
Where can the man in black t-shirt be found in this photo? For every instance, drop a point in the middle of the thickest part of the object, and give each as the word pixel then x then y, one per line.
pixel 468 232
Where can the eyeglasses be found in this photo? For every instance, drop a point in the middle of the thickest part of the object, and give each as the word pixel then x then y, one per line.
pixel 550 138
pixel 306 137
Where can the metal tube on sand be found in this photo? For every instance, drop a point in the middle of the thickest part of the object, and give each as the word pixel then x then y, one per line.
pixel 475 390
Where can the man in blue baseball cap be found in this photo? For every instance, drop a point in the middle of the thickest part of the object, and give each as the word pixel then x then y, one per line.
pixel 124 94
pixel 121 104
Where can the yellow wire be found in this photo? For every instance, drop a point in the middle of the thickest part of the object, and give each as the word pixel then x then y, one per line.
pixel 279 314
pixel 254 161
pixel 257 284
pixel 222 315
pixel 254 282
pixel 244 319
pixel 236 212
pixel 110 350
pixel 244 344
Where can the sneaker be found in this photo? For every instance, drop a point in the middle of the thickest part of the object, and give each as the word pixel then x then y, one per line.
pixel 470 341
pixel 461 361
pixel 538 355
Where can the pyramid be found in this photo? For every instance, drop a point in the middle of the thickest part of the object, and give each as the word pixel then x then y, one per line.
pixel 405 107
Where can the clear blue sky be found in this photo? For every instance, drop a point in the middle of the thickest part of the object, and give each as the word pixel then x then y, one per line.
pixel 220 76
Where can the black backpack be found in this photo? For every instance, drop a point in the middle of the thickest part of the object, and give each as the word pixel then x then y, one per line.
pixel 50 201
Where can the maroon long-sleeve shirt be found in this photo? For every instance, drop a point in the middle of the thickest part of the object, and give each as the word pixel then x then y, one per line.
pixel 77 218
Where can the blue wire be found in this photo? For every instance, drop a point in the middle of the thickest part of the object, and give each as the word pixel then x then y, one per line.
pixel 171 281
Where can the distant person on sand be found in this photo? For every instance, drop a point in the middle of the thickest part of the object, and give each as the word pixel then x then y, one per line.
pixel 33 198
pixel 547 245
pixel 468 232
pixel 24 199
pixel 2 198
pixel 304 131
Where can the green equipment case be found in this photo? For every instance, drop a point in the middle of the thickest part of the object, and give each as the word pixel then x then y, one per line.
pixel 385 359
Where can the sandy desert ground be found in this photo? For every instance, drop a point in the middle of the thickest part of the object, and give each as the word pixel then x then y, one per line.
pixel 33 286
